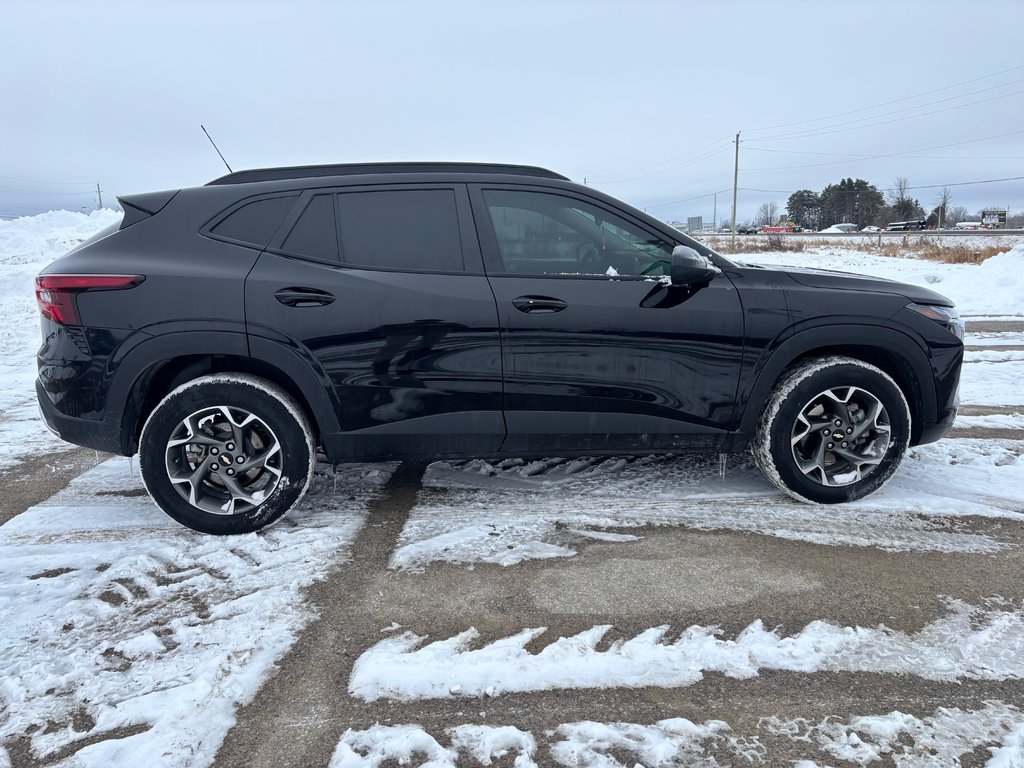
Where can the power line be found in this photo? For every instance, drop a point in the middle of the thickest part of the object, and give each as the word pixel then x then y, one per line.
pixel 890 154
pixel 39 181
pixel 669 169
pixel 902 99
pixel 816 132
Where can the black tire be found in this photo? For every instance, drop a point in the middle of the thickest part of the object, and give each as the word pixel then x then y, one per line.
pixel 853 458
pixel 196 426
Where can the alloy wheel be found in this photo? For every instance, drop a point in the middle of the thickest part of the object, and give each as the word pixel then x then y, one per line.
pixel 224 460
pixel 840 436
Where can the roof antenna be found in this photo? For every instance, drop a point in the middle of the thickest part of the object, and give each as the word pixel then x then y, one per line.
pixel 215 146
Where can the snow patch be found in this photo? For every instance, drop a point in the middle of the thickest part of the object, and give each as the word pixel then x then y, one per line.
pixel 114 610
pixel 969 643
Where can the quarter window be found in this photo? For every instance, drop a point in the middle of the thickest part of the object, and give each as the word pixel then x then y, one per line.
pixel 401 229
pixel 549 234
pixel 255 222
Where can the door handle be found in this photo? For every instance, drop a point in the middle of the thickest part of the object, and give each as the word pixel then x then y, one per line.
pixel 303 297
pixel 538 304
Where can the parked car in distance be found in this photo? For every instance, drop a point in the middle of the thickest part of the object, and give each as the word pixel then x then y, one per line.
pixel 961 225
pixel 746 230
pixel 871 228
pixel 230 333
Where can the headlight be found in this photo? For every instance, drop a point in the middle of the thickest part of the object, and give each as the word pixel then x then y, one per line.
pixel 947 317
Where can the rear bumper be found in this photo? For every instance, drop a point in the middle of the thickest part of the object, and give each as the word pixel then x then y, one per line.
pixel 88 433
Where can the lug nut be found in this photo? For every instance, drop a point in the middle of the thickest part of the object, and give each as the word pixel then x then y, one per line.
pixel 825 431
pixel 849 430
pixel 839 423
pixel 230 471
pixel 830 446
pixel 231 446
pixel 214 451
pixel 214 467
pixel 240 459
pixel 845 444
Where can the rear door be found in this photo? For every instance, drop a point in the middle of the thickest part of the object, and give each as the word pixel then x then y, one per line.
pixel 599 353
pixel 382 290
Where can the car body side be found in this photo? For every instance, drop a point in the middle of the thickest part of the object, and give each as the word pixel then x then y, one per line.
pixel 196 313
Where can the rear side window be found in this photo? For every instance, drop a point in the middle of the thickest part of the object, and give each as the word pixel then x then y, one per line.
pixel 315 233
pixel 255 222
pixel 401 229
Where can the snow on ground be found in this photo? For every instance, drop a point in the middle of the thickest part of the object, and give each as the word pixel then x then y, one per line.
pixel 994 287
pixel 123 627
pixel 938 739
pixel 512 511
pixel 993 421
pixel 26 246
pixel 970 642
pixel 993 339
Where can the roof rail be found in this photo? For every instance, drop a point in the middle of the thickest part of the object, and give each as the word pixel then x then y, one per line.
pixel 350 169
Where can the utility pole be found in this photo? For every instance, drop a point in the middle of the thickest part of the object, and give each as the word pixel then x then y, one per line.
pixel 99 194
pixel 714 216
pixel 735 184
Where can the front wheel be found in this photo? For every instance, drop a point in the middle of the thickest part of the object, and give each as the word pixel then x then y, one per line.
pixel 835 429
pixel 227 453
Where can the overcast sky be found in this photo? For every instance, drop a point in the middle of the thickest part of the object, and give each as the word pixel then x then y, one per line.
pixel 642 99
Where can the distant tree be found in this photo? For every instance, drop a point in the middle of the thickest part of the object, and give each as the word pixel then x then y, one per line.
pixel 767 214
pixel 955 215
pixel 1015 220
pixel 904 207
pixel 851 201
pixel 943 204
pixel 804 208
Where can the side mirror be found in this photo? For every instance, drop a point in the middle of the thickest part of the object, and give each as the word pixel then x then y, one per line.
pixel 690 268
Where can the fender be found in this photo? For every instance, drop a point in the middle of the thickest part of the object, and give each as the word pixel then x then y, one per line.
pixel 128 366
pixel 791 345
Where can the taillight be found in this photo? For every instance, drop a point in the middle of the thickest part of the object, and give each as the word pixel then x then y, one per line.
pixel 56 293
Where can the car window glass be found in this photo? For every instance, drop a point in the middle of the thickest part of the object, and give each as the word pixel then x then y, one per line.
pixel 256 222
pixel 544 233
pixel 401 229
pixel 315 233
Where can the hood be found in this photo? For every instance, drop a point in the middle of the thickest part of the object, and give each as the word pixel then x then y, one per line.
pixel 848 281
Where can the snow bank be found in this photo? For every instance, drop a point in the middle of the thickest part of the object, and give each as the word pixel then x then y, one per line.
pixel 26 246
pixel 994 287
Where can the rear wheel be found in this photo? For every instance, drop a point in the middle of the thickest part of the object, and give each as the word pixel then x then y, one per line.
pixel 835 429
pixel 227 454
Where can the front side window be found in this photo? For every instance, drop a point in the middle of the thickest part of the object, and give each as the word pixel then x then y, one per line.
pixel 550 234
pixel 409 230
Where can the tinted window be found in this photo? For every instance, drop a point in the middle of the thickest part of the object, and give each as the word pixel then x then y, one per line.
pixel 256 222
pixel 407 229
pixel 315 233
pixel 543 233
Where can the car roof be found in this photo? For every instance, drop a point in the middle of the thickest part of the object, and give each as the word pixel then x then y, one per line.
pixel 361 169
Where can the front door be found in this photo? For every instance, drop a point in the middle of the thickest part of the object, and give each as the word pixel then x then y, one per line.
pixel 599 352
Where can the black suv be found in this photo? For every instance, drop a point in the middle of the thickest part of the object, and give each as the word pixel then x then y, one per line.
pixel 393 311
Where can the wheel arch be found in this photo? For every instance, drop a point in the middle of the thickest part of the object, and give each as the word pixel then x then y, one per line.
pixel 153 369
pixel 892 351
